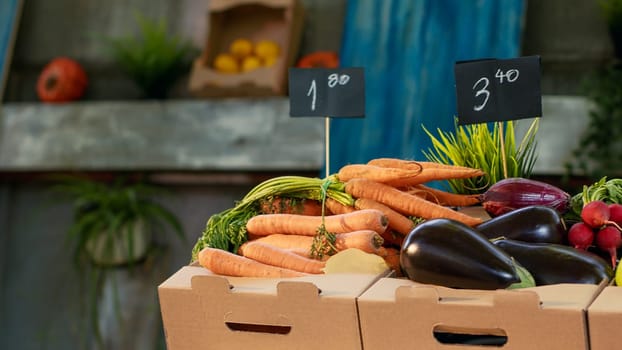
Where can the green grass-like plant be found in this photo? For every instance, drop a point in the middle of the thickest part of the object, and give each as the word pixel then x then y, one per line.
pixel 480 146
pixel 155 59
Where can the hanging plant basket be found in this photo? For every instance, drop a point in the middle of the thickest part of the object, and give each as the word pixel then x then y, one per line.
pixel 128 245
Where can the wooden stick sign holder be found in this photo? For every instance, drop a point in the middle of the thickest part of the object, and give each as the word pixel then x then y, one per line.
pixel 328 93
pixel 327 144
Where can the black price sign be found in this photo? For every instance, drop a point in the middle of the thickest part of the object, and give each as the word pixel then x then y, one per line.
pixel 493 90
pixel 326 92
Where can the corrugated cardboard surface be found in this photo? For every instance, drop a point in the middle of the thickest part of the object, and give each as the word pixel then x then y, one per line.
pixel 398 313
pixel 605 320
pixel 204 311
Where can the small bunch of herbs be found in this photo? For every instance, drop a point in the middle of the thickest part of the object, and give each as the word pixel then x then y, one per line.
pixel 154 59
pixel 491 148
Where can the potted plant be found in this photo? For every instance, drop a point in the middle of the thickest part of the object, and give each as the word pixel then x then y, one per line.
pixel 115 223
pixel 154 60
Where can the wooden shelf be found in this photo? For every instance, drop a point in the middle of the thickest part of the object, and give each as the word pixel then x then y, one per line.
pixel 178 135
pixel 229 135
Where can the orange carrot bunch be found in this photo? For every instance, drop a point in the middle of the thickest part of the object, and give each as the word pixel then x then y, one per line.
pixel 398 188
pixel 371 207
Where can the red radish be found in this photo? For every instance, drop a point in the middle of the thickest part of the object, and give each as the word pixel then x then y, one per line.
pixel 615 211
pixel 580 235
pixel 609 239
pixel 596 214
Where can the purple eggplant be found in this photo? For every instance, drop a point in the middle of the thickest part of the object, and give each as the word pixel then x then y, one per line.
pixel 557 263
pixel 536 223
pixel 449 253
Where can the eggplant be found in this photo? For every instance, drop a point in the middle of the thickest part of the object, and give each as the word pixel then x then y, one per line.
pixel 536 224
pixel 557 263
pixel 517 192
pixel 449 253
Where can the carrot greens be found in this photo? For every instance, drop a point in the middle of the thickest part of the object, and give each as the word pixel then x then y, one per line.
pixel 227 230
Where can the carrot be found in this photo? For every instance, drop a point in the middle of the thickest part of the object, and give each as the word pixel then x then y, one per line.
pixel 392 257
pixel 392 238
pixel 223 262
pixel 376 173
pixel 268 224
pixel 382 252
pixel 275 256
pixel 412 164
pixel 435 174
pixel 334 207
pixel 290 205
pixel 409 174
pixel 285 241
pixel 436 165
pixel 397 221
pixel 365 240
pixel 404 202
pixel 307 253
pixel 443 197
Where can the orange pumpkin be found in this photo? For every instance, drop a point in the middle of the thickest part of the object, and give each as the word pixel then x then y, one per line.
pixel 319 59
pixel 61 80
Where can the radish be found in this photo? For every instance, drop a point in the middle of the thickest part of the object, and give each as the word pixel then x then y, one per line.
pixel 609 239
pixel 580 235
pixel 615 211
pixel 597 214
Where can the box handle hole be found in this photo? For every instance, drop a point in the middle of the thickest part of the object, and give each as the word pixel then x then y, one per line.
pixel 466 336
pixel 258 328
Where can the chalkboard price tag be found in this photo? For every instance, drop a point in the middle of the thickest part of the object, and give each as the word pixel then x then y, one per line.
pixel 324 92
pixel 491 90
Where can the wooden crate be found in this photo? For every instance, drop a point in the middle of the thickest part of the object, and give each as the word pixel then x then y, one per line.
pixel 277 20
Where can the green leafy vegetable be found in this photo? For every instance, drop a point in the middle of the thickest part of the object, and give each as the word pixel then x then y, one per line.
pixel 608 191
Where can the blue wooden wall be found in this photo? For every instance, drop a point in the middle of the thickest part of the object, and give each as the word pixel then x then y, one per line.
pixel 408 50
pixel 9 17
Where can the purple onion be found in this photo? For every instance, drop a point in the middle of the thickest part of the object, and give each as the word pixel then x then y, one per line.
pixel 514 193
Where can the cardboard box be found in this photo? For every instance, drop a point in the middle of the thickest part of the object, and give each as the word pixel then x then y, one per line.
pixel 201 310
pixel 399 313
pixel 281 21
pixel 605 319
